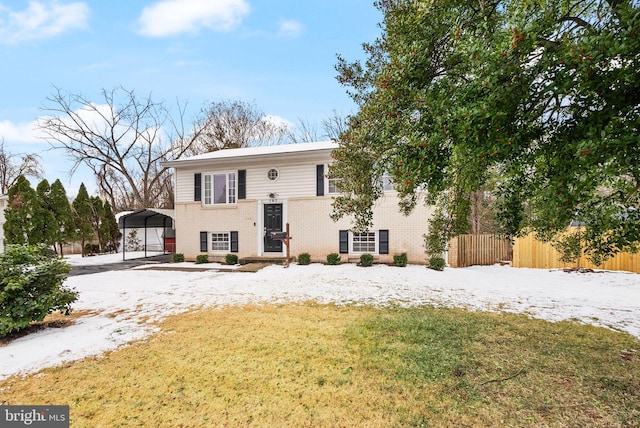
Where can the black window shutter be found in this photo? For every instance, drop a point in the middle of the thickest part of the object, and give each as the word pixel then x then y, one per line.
pixel 234 242
pixel 197 187
pixel 383 236
pixel 242 184
pixel 319 180
pixel 344 242
pixel 203 242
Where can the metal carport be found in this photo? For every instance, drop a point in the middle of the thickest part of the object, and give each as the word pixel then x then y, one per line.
pixel 146 218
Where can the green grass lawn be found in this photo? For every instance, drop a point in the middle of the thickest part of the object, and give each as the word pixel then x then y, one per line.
pixel 325 366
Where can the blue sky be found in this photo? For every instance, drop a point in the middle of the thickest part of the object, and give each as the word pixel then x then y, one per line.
pixel 276 54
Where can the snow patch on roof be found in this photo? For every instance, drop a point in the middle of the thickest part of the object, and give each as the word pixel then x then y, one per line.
pixel 261 151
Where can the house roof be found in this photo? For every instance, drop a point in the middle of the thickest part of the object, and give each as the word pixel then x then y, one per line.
pixel 255 152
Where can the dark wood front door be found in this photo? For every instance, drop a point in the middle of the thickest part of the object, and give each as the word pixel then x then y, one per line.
pixel 272 223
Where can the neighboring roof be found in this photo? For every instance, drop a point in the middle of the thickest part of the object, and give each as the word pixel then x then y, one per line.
pixel 148 217
pixel 255 151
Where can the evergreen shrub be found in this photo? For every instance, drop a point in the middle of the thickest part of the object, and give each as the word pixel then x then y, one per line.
pixel 304 259
pixel 31 287
pixel 366 260
pixel 231 259
pixel 333 259
pixel 400 260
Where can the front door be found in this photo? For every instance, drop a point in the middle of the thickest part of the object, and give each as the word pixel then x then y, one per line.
pixel 272 223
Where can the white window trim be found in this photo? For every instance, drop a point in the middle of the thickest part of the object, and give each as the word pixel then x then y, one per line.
pixel 204 188
pixel 376 243
pixel 277 174
pixel 228 249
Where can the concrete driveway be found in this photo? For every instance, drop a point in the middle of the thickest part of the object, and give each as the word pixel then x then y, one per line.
pixel 125 264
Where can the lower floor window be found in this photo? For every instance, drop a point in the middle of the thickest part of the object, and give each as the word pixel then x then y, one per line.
pixel 364 242
pixel 220 241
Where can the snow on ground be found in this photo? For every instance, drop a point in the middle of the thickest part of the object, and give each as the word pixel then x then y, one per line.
pixel 125 304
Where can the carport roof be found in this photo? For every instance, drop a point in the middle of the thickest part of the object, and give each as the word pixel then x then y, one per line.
pixel 147 217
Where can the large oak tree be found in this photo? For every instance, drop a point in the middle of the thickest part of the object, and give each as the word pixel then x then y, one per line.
pixel 540 97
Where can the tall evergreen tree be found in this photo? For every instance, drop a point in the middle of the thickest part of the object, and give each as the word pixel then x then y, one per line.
pixel 109 230
pixel 61 209
pixel 97 209
pixel 44 222
pixel 20 211
pixel 82 217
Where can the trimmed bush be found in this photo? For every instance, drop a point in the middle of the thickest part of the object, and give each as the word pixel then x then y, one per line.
pixel 437 263
pixel 400 260
pixel 177 257
pixel 91 249
pixel 31 287
pixel 366 260
pixel 231 259
pixel 304 259
pixel 202 258
pixel 334 259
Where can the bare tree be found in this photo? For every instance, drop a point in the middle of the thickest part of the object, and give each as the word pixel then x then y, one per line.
pixel 303 132
pixel 334 126
pixel 13 166
pixel 122 141
pixel 306 132
pixel 234 124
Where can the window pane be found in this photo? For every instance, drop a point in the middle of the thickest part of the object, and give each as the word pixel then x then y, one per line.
pixel 333 185
pixel 220 189
pixel 387 183
pixel 232 188
pixel 364 242
pixel 220 242
pixel 207 189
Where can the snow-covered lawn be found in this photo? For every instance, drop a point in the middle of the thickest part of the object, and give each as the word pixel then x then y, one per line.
pixel 125 304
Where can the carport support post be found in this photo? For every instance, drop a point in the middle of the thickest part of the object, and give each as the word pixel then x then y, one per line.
pixel 124 236
pixel 145 236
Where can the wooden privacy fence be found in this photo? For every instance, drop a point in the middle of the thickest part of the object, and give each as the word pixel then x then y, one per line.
pixel 530 253
pixel 484 249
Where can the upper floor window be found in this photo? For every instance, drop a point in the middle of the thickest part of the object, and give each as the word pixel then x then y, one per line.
pixel 332 185
pixel 387 183
pixel 220 188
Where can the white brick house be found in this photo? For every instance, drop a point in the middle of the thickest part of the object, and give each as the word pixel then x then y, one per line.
pixel 229 200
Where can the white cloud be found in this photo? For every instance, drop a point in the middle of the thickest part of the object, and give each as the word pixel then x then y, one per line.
pixel 278 121
pixel 41 20
pixel 25 132
pixel 289 29
pixel 172 17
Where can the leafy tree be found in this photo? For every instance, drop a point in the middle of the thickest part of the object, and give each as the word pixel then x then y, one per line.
pixel 22 206
pixel 61 209
pixel 82 214
pixel 542 95
pixel 31 287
